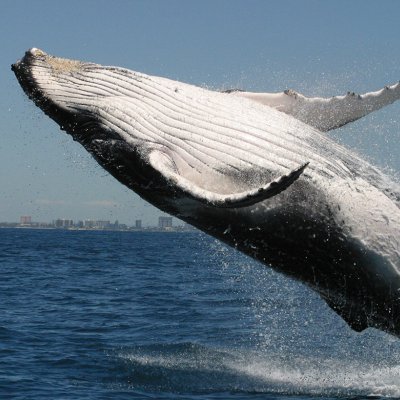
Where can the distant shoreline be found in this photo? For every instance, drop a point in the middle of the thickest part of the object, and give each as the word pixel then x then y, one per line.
pixel 179 229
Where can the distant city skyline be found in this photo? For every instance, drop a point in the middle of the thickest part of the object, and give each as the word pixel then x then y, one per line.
pixel 315 47
pixel 169 224
pixel 160 221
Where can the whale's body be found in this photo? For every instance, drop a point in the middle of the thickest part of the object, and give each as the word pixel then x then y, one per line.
pixel 253 170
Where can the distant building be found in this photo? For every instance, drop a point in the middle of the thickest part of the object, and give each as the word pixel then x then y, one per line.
pixel 63 223
pixel 26 220
pixel 164 222
pixel 102 224
pixel 88 223
pixel 138 224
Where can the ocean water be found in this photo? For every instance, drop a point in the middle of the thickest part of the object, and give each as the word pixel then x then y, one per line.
pixel 126 315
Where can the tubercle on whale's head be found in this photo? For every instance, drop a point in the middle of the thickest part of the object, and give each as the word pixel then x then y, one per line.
pixel 36 66
pixel 36 56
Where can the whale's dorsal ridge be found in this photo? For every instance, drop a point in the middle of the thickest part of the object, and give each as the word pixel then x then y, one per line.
pixel 235 200
pixel 325 114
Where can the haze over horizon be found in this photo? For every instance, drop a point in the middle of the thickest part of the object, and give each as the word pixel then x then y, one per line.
pixel 317 48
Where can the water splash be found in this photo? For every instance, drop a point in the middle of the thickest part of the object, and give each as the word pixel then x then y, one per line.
pixel 192 368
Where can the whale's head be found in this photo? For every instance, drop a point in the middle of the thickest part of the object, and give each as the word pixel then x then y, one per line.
pixel 161 138
pixel 48 81
pixel 90 102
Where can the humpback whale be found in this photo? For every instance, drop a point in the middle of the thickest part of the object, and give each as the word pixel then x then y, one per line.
pixel 254 170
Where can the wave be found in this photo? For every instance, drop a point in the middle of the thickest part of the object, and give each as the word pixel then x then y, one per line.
pixel 194 368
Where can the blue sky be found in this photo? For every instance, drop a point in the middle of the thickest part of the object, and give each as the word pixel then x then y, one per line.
pixel 316 47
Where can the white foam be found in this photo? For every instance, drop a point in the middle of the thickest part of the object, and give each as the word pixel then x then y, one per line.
pixel 320 378
pixel 244 371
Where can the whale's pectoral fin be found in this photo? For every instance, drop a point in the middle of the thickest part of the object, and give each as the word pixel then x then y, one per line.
pixel 165 167
pixel 325 114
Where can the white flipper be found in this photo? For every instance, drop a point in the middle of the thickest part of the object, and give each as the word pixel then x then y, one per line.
pixel 165 166
pixel 326 113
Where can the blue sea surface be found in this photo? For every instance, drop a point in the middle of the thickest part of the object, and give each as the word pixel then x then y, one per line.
pixel 131 315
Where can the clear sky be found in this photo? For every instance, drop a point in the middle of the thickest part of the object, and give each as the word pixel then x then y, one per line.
pixel 316 47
